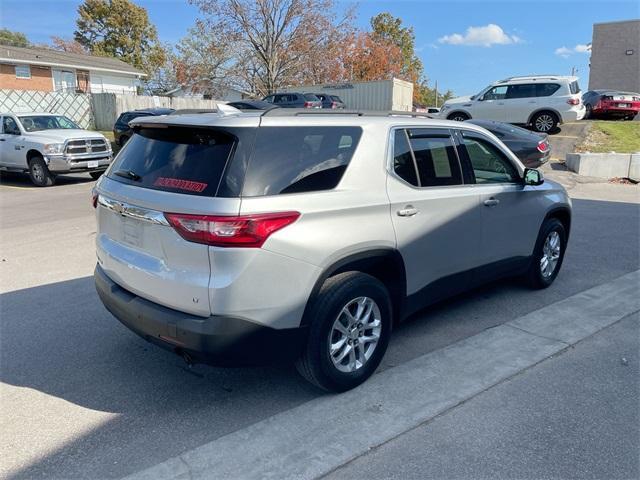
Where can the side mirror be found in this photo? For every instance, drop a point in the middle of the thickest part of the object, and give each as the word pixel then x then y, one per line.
pixel 533 177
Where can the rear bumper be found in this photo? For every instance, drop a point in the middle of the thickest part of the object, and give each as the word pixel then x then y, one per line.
pixel 216 340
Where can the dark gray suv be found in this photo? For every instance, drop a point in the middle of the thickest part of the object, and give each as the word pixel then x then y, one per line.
pixel 294 100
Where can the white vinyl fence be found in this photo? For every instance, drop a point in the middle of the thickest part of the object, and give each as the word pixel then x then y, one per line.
pixel 108 106
pixel 73 105
pixel 97 110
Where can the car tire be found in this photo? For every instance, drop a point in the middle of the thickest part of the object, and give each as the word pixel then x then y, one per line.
pixel 458 117
pixel 547 255
pixel 588 112
pixel 545 122
pixel 353 358
pixel 122 140
pixel 39 172
pixel 96 175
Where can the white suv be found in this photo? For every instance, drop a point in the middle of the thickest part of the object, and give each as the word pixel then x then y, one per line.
pixel 237 238
pixel 543 102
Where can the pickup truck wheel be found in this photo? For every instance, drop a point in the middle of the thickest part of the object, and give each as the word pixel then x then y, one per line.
pixel 96 175
pixel 349 330
pixel 548 254
pixel 39 172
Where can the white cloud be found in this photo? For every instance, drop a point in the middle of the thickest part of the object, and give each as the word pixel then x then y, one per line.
pixel 486 36
pixel 566 52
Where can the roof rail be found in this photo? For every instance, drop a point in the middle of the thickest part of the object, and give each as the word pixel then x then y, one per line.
pixel 299 112
pixel 531 77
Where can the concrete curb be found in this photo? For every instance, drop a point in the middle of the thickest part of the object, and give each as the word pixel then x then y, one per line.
pixel 605 165
pixel 319 436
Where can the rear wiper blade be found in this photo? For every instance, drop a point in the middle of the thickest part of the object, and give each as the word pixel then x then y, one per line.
pixel 130 174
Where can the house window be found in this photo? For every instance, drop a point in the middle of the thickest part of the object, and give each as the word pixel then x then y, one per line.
pixel 23 71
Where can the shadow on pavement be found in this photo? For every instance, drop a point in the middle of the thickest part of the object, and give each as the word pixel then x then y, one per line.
pixel 21 180
pixel 58 339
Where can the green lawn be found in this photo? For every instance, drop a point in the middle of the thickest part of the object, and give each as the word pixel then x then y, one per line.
pixel 612 136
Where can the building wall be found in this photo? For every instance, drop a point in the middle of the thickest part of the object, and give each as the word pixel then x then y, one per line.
pixel 40 79
pixel 611 67
pixel 112 83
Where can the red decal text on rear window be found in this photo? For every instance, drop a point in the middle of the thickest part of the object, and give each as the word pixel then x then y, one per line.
pixel 189 185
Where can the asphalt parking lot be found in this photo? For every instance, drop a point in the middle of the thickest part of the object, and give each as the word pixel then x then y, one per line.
pixel 83 397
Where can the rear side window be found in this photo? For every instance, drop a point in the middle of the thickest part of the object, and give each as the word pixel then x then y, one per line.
pixel 299 159
pixel 436 162
pixel 574 87
pixel 526 90
pixel 546 89
pixel 311 97
pixel 181 160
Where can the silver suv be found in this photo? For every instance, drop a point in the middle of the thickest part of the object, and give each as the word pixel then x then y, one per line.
pixel 234 238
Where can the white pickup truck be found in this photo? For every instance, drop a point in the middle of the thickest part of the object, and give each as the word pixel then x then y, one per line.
pixel 46 145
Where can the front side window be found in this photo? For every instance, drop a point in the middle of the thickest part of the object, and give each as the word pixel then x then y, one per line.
pixel 299 159
pixel 426 158
pixel 23 71
pixel 489 164
pixel 9 126
pixel 34 123
pixel 496 93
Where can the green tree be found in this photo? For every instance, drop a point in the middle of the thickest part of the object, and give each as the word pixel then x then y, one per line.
pixel 14 39
pixel 389 29
pixel 121 29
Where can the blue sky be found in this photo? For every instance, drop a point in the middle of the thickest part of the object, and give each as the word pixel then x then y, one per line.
pixel 464 44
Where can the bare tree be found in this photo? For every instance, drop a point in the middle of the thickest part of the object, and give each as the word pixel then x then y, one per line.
pixel 276 41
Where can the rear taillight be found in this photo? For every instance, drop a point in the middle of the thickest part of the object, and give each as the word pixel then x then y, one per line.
pixel 230 231
pixel 573 101
pixel 308 104
pixel 334 104
pixel 543 146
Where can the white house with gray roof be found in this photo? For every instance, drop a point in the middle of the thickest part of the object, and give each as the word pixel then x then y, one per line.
pixel 49 70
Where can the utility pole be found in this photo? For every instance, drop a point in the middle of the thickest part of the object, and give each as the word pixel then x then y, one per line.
pixel 436 89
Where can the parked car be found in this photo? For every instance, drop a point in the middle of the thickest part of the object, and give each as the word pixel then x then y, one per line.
pixel 532 149
pixel 611 103
pixel 307 236
pixel 252 105
pixel 294 100
pixel 121 130
pixel 330 101
pixel 542 102
pixel 46 145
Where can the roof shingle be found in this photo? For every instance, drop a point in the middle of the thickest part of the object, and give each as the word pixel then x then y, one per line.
pixel 40 56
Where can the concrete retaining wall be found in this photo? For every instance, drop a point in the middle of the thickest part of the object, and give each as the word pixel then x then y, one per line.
pixel 605 165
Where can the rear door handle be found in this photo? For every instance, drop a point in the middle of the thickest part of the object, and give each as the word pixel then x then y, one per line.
pixel 407 211
pixel 492 202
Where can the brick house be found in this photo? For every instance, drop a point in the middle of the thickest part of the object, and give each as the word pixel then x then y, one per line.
pixel 48 70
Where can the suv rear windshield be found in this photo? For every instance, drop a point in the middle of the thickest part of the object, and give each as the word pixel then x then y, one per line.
pixel 299 159
pixel 311 97
pixel 181 160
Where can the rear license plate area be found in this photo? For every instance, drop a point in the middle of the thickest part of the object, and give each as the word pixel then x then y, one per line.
pixel 131 232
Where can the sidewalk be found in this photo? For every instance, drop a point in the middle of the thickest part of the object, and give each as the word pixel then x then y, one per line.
pixel 573 416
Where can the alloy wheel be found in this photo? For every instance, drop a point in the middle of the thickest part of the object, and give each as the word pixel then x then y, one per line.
pixel 544 123
pixel 355 334
pixel 550 254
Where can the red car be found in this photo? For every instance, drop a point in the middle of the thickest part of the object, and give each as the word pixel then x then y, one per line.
pixel 611 103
